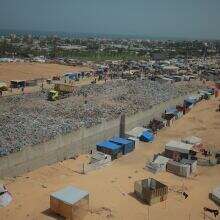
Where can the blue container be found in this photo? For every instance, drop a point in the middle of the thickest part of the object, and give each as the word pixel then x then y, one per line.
pixel 109 147
pixel 127 145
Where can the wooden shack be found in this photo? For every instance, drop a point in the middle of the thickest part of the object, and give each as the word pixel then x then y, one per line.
pixel 150 191
pixel 70 202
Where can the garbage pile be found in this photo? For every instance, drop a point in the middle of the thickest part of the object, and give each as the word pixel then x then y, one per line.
pixel 29 119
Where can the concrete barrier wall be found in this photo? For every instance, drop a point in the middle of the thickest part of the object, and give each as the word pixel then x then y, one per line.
pixel 79 142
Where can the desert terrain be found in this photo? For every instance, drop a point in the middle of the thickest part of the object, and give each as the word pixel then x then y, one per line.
pixel 27 71
pixel 111 188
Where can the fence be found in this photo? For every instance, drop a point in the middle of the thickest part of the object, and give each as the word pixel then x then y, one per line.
pixel 79 142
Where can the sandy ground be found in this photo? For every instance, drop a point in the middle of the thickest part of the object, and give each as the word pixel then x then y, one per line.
pixel 111 188
pixel 24 71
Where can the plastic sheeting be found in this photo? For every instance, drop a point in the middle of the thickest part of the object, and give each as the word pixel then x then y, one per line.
pixel 147 136
pixel 5 197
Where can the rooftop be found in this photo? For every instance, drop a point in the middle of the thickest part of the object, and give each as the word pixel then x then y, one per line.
pixel 178 146
pixel 70 195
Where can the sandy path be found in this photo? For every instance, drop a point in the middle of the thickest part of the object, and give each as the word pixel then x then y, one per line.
pixel 111 187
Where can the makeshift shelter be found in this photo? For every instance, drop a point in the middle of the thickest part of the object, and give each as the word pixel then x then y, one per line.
pixel 5 196
pixel 70 202
pixel 147 136
pixel 150 191
pixel 195 141
pixel 170 113
pixel 17 84
pixel 192 163
pixel 190 102
pixel 215 195
pixel 179 169
pixel 157 124
pixel 136 132
pixel 127 145
pixel 31 82
pixel 71 76
pixel 178 150
pixel 108 147
pixel 158 164
pixel 97 161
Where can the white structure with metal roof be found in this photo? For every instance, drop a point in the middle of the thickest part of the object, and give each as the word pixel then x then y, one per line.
pixel 192 140
pixel 178 146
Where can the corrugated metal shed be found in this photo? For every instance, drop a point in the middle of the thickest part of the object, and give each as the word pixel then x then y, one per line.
pixel 178 168
pixel 178 146
pixel 70 195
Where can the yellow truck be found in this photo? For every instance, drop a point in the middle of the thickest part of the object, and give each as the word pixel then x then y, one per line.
pixel 61 90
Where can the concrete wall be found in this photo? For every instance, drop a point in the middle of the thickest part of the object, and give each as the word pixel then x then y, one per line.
pixel 82 141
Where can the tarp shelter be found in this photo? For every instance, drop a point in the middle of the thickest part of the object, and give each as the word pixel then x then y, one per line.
pixel 17 84
pixel 147 136
pixel 171 111
pixel 70 202
pixel 71 76
pixel 127 145
pixel 136 132
pixel 5 196
pixel 108 147
pixel 190 101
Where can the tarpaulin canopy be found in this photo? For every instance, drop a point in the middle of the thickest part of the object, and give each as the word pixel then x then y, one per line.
pixel 110 146
pixel 147 136
pixel 5 196
pixel 171 111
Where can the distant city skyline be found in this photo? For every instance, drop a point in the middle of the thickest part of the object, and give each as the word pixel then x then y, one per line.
pixel 191 19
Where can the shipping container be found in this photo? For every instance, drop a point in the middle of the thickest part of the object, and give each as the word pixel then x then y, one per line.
pixel 127 145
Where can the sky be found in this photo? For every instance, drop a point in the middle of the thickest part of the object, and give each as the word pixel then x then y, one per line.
pixel 153 18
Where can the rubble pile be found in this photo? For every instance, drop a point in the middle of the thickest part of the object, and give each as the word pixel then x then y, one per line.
pixel 30 119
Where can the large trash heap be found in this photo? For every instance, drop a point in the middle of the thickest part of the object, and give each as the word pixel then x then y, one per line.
pixel 30 119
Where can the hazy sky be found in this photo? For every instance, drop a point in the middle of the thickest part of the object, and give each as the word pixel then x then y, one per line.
pixel 156 18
